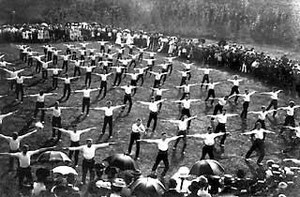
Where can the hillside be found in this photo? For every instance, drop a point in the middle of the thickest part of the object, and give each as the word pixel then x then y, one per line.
pixel 260 21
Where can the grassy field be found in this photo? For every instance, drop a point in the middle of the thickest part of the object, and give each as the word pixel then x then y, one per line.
pixel 235 148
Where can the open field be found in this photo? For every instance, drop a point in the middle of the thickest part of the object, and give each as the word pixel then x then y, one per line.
pixel 235 147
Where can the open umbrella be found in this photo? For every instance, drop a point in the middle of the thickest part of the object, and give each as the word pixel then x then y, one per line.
pixel 53 156
pixel 64 170
pixel 121 161
pixel 146 186
pixel 207 167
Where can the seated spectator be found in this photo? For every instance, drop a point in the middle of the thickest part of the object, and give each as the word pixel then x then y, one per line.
pixel 193 188
pixel 172 190
pixel 203 187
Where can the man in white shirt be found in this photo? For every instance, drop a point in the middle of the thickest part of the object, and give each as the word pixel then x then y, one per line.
pixel 211 90
pixel 184 75
pixel 86 99
pixel 55 72
pixel 209 142
pixel 24 170
pixel 153 107
pixel 118 74
pixel 88 153
pixel 274 101
pixel 221 127
pixel 128 96
pixel 246 103
pixel 219 106
pixel 158 77
pixel 108 116
pixel 205 78
pixel 44 68
pixel 186 89
pixel 235 88
pixel 163 146
pixel 103 83
pixel 13 74
pixel 14 144
pixel 136 130
pixel 262 115
pixel 40 103
pixel 65 61
pixel 258 143
pixel 141 72
pixel 290 114
pixel 88 74
pixel 67 85
pixel 182 130
pixel 77 64
pixel 19 85
pixel 75 139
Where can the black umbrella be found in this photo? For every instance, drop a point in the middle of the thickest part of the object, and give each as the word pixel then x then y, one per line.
pixel 147 187
pixel 53 157
pixel 207 167
pixel 121 161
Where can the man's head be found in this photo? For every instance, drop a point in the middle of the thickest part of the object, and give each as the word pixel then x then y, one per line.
pixel 246 91
pixel 15 135
pixel 258 125
pixel 138 122
pixel 152 99
pixel 164 135
pixel 89 142
pixel 66 75
pixel 224 111
pixel 209 129
pixel 291 103
pixel 263 108
pixel 56 104
pixel 187 96
pixel 25 148
pixel 235 77
pixel 108 103
pixel 41 93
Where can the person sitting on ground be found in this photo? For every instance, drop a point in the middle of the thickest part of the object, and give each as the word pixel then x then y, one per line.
pixel 172 190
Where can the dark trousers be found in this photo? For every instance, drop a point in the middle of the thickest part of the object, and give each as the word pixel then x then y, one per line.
pixel 88 165
pixel 218 108
pixel 183 138
pixel 235 90
pixel 30 61
pixel 44 73
pixel 65 66
pixel 170 69
pixel 211 93
pixel 162 156
pixel 184 95
pixel 127 97
pixel 24 173
pixel 207 150
pixel 133 62
pixel 289 121
pixel 77 70
pixel 93 62
pixel 38 106
pixel 76 152
pixel 88 78
pixel 54 81
pixel 134 137
pixel 19 90
pixel 118 79
pixel 156 83
pixel 103 85
pixel 133 83
pixel 54 60
pixel 67 91
pixel 38 67
pixel 12 160
pixel 152 115
pixel 245 110
pixel 12 84
pixel 107 120
pixel 221 128
pixel 259 146
pixel 205 79
pixel 141 77
pixel 86 104
pixel 274 104
pixel 183 81
pixel 56 122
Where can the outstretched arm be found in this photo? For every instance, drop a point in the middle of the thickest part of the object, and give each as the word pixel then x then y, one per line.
pixel 28 134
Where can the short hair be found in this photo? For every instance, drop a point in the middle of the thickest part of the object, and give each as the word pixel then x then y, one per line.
pixel 163 133
pixel 172 183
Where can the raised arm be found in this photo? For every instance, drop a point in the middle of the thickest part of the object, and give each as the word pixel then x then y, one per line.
pixel 144 103
pixel 174 138
pixel 102 145
pixel 28 134
pixel 5 137
pixel 87 130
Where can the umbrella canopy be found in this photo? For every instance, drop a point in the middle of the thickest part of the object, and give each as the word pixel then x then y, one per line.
pixel 64 170
pixel 207 167
pixel 121 161
pixel 148 186
pixel 53 156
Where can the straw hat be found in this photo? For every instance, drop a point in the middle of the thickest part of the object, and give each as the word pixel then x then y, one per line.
pixel 118 182
pixel 183 172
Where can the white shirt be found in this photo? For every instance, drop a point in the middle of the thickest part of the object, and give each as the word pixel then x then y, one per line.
pixel 118 69
pixel 186 104
pixel 137 129
pixel 14 144
pixel 186 88
pixel 159 92
pixel 222 101
pixel 262 115
pixel 222 118
pixel 206 71
pixel 135 76
pixel 104 77
pixel 153 107
pixel 75 137
pixel 56 112
pixel 290 111
pixel 24 160
pixel 158 76
pixel 163 145
pixel 247 97
pixel 127 89
pixel 108 111
pixel 211 86
pixel 86 93
pixel 20 80
pixel 41 98
pixel 209 139
pixel 66 58
pixel 89 69
pixel 182 125
pixel 274 95
pixel 67 80
pixel 236 82
pixel 259 134
pixel 89 152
